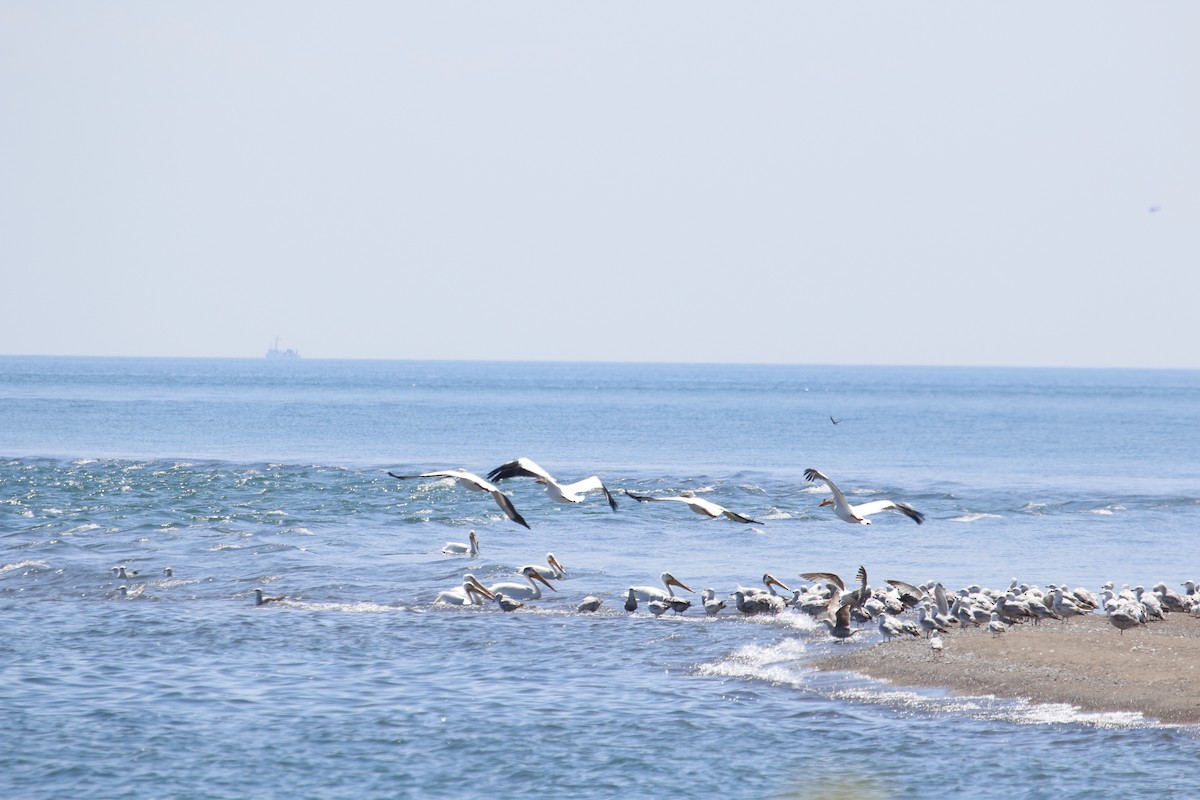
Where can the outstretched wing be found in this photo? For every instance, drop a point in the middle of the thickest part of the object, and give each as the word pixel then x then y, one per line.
pixel 831 577
pixel 875 506
pixel 811 474
pixel 591 484
pixel 736 517
pixel 520 468
pixel 508 508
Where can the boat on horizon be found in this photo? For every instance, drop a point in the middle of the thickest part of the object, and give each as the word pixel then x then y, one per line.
pixel 275 352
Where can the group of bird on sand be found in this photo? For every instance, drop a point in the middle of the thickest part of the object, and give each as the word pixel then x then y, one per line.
pixel 843 612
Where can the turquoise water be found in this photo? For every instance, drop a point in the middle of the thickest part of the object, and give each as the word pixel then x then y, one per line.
pixel 245 474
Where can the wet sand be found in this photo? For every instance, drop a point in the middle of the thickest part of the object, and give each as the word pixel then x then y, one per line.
pixel 1154 669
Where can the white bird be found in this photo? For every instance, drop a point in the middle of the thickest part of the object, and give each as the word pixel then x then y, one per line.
pixel 996 627
pixel 470 480
pixel 523 591
pixel 589 604
pixel 892 627
pixel 559 492
pixel 936 644
pixel 648 593
pixel 770 582
pixel 859 513
pixel 697 504
pixel 554 568
pixel 463 548
pixel 711 604
pixel 471 593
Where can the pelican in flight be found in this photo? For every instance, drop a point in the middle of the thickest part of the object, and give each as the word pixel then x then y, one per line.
pixel 559 492
pixel 463 549
pixel 523 591
pixel 648 593
pixel 697 504
pixel 470 480
pixel 471 593
pixel 859 513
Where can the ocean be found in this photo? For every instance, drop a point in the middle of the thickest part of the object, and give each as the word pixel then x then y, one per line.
pixel 272 474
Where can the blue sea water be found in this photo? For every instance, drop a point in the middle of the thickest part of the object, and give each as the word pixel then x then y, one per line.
pixel 241 474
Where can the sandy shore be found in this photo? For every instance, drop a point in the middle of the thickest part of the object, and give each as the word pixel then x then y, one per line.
pixel 1085 662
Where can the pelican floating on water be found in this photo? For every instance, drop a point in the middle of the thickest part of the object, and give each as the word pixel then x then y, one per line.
pixel 471 593
pixel 470 480
pixel 647 593
pixel 553 569
pixel 697 504
pixel 523 591
pixel 589 604
pixel 559 492
pixel 859 513
pixel 460 548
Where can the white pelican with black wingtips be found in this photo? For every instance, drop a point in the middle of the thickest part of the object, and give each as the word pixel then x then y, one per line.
pixel 469 480
pixel 859 513
pixel 471 593
pixel 559 492
pixel 697 504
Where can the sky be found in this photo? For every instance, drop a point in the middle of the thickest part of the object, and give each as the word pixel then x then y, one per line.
pixel 932 183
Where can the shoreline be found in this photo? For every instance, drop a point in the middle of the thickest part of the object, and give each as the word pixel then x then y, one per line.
pixel 1086 662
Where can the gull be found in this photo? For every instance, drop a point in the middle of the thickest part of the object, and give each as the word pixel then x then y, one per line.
pixel 750 606
pixel 929 623
pixel 654 593
pixel 697 504
pixel 631 600
pixel 854 599
pixel 470 480
pixel 1122 617
pixel 507 603
pixel 859 513
pixel 936 644
pixel 891 627
pixel 996 627
pixel 840 629
pixel 461 548
pixel 260 600
pixel 559 492
pixel 711 604
pixel 589 603
pixel 658 607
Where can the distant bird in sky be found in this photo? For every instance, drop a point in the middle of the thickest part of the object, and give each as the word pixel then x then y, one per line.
pixel 859 513
pixel 470 480
pixel 835 421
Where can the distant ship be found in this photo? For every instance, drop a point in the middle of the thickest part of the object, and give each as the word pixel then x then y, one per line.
pixel 275 352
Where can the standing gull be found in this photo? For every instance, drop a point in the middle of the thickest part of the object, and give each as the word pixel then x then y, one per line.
pixel 470 480
pixel 858 514
pixel 697 504
pixel 559 492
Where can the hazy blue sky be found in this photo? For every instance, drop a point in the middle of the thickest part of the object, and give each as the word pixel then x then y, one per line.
pixel 909 183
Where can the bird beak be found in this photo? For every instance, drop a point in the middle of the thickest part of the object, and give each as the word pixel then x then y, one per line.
pixel 777 583
pixel 674 582
pixel 825 503
pixel 558 566
pixel 537 577
pixel 483 590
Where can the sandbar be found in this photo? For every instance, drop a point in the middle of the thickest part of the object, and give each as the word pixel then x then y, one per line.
pixel 1086 662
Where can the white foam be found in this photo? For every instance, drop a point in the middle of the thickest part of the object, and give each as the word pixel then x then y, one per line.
pixel 7 568
pixel 974 517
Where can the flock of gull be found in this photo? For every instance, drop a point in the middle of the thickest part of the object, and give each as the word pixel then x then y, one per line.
pixel 898 608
